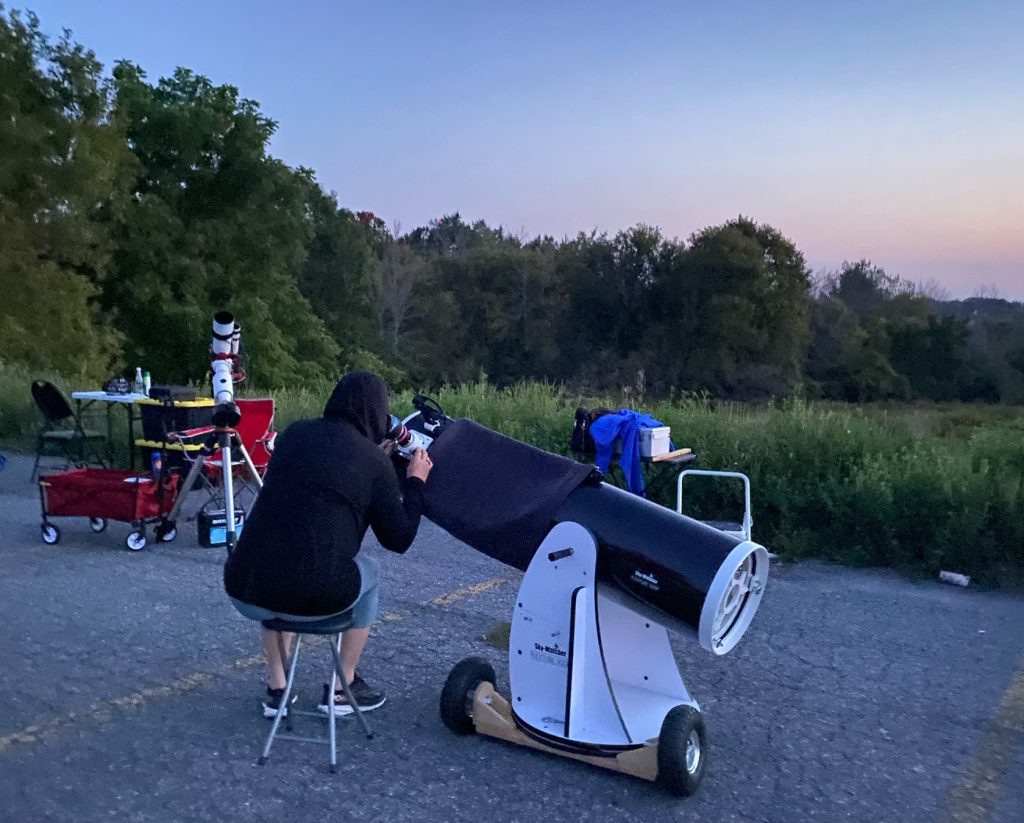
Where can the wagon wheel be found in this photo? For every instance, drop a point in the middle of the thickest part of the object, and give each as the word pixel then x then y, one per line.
pixel 166 532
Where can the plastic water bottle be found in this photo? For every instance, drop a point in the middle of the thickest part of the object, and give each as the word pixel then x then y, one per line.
pixel 147 381
pixel 156 463
pixel 139 387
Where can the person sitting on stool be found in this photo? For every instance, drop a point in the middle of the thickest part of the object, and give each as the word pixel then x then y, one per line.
pixel 298 556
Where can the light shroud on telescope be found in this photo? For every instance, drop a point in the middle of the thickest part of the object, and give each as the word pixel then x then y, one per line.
pixel 501 497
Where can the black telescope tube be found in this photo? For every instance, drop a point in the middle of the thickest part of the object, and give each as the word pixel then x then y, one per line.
pixel 502 497
pixel 657 556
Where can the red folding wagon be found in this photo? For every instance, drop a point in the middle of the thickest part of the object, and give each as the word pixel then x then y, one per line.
pixel 110 494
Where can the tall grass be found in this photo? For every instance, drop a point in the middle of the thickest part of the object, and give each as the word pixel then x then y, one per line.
pixel 921 488
pixel 866 487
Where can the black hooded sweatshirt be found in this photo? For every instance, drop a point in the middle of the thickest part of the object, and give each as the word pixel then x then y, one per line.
pixel 327 482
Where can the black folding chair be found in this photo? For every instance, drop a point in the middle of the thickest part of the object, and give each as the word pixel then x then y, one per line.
pixel 62 429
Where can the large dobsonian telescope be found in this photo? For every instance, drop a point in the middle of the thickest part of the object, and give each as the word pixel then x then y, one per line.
pixel 607 574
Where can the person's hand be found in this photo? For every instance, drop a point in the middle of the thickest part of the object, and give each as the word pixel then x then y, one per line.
pixel 420 465
pixel 387 446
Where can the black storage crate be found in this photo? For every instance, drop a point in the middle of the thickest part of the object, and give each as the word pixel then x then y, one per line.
pixel 159 418
pixel 176 454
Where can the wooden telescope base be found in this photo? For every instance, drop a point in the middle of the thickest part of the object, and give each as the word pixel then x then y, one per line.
pixel 492 716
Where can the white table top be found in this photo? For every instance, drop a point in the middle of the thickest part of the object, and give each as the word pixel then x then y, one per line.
pixel 108 398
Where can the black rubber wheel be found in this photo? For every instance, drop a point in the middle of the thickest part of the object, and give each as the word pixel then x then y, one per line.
pixel 97 524
pixel 682 751
pixel 166 532
pixel 457 695
pixel 51 534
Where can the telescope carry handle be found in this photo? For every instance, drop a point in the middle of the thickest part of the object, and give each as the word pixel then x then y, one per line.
pixel 748 520
pixel 429 408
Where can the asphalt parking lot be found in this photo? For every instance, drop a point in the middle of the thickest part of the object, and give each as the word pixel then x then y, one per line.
pixel 132 691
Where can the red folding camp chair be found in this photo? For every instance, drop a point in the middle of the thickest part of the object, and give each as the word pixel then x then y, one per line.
pixel 256 431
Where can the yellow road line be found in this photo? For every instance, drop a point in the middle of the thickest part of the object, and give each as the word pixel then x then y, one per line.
pixel 392 617
pixel 100 711
pixel 974 798
pixel 468 591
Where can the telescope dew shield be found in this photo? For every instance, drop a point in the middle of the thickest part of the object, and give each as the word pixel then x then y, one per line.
pixel 227 335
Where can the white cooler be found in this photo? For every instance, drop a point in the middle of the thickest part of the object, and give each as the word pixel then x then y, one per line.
pixel 655 441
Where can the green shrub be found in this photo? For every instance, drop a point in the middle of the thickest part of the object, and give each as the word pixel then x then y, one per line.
pixel 872 486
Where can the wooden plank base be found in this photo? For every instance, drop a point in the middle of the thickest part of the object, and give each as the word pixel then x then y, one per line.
pixel 492 716
pixel 671 456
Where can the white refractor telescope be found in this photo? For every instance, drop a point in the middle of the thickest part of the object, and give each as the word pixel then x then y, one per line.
pixel 607 574
pixel 224 359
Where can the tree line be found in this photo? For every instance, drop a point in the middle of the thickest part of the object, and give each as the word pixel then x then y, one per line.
pixel 131 210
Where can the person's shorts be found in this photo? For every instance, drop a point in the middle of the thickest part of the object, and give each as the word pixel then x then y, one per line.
pixel 363 610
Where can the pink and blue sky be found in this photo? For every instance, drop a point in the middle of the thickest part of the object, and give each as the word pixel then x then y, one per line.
pixel 887 130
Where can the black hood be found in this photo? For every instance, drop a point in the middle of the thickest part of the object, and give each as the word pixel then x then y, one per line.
pixel 361 398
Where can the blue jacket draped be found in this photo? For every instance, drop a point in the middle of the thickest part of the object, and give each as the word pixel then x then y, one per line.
pixel 626 424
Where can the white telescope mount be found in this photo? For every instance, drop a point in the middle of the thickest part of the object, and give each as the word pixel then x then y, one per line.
pixel 590 678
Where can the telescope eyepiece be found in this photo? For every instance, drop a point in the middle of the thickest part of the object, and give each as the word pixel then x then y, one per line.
pixel 401 435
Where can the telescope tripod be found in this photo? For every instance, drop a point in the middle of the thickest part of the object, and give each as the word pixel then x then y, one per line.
pixel 221 439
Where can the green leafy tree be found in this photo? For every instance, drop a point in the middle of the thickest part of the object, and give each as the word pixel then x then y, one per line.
pixel 607 285
pixel 450 236
pixel 731 312
pixel 905 348
pixel 61 163
pixel 340 275
pixel 934 356
pixel 866 289
pixel 586 330
pixel 213 222
pixel 489 310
